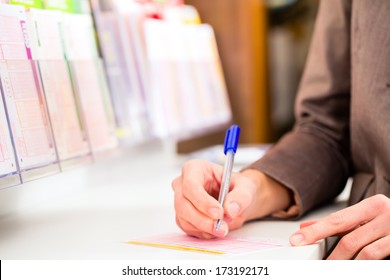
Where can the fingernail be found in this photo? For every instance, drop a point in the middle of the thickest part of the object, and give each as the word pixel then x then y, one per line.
pixel 215 213
pixel 233 209
pixel 222 230
pixel 297 239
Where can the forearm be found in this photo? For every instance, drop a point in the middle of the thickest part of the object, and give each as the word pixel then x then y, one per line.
pixel 313 170
pixel 313 160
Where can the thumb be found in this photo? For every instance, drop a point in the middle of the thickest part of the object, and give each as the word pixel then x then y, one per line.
pixel 239 198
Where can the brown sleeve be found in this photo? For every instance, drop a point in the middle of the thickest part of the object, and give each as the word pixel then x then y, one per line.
pixel 313 159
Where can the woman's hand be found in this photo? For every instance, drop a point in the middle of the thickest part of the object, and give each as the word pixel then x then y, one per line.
pixel 364 227
pixel 252 195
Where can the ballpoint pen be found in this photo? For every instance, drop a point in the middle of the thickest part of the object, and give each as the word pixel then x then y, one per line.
pixel 230 148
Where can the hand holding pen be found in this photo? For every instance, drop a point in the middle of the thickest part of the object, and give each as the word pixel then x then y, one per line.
pixel 250 195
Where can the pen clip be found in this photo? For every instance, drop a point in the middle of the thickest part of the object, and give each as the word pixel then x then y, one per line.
pixel 231 139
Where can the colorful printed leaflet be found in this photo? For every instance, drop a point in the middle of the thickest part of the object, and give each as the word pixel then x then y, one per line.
pixel 92 91
pixel 45 34
pixel 27 115
pixel 14 42
pixel 7 159
pixel 67 126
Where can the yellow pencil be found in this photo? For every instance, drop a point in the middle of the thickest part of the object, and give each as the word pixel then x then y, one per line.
pixel 176 247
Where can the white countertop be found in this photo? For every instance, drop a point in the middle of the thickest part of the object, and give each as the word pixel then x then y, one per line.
pixel 90 212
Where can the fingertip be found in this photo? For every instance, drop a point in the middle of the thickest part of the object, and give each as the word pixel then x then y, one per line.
pixel 297 239
pixel 222 230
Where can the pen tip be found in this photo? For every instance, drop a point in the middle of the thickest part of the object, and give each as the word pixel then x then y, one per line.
pixel 218 225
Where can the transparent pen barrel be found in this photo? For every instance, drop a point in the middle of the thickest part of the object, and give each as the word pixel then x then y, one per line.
pixel 227 171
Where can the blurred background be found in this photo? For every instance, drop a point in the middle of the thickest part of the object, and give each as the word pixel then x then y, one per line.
pixel 263 46
pixel 102 75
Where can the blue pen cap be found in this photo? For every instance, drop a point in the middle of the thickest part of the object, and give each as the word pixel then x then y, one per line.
pixel 231 139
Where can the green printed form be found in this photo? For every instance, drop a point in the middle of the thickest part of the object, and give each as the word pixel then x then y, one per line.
pixel 68 6
pixel 38 4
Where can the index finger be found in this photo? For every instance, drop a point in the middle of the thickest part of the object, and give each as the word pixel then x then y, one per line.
pixel 199 181
pixel 335 223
